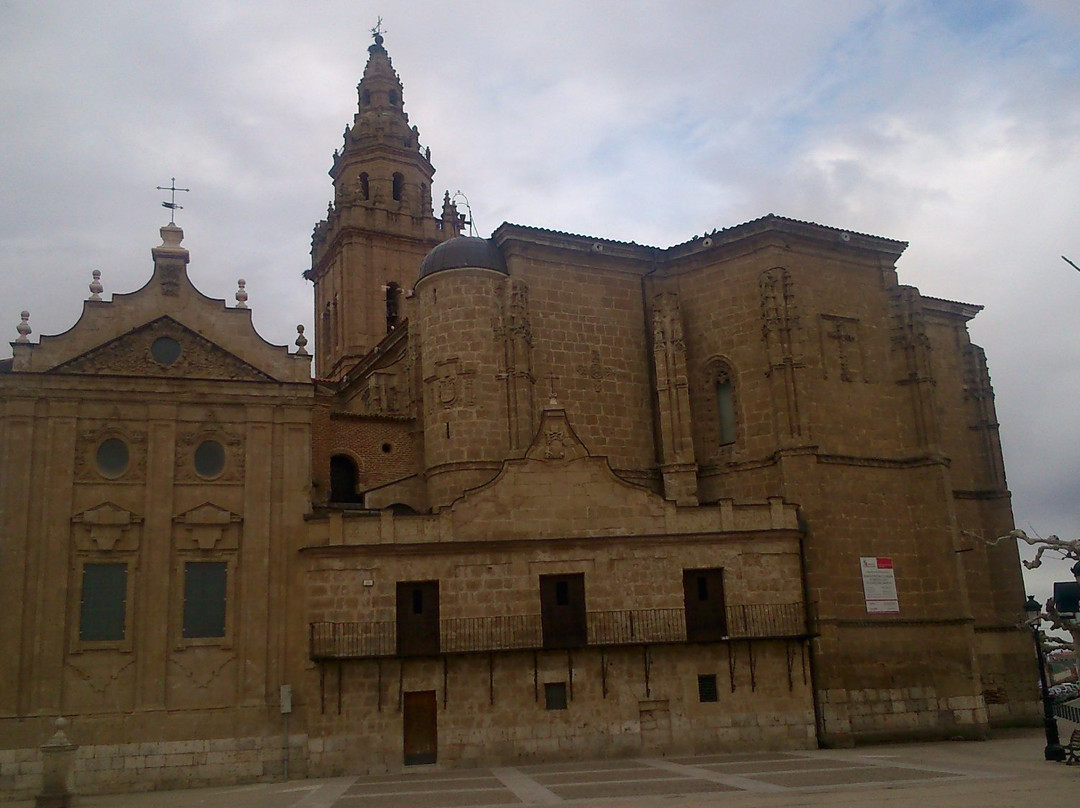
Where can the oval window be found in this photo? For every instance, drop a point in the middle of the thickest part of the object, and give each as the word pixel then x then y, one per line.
pixel 165 350
pixel 209 459
pixel 112 457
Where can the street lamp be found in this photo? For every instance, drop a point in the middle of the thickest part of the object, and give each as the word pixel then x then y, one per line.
pixel 1054 750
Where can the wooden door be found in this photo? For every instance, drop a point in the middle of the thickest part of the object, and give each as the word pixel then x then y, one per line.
pixel 420 736
pixel 562 610
pixel 417 618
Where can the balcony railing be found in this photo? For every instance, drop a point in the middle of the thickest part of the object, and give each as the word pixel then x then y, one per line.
pixel 464 635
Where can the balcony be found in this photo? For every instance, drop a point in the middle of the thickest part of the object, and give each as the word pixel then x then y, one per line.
pixel 624 627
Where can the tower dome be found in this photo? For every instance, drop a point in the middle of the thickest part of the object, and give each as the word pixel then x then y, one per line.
pixel 463 251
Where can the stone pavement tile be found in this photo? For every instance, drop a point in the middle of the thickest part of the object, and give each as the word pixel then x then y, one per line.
pixel 786 765
pixel 661 787
pixel 421 774
pixel 534 769
pixel 838 778
pixel 598 776
pixel 425 785
pixel 735 758
pixel 440 799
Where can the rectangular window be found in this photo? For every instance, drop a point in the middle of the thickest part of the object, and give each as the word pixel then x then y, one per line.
pixel 555 695
pixel 102 613
pixel 706 687
pixel 725 410
pixel 703 599
pixel 204 598
pixel 562 610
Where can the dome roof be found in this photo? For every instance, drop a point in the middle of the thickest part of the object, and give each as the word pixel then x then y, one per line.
pixel 463 251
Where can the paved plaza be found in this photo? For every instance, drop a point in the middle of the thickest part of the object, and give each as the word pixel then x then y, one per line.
pixel 1008 772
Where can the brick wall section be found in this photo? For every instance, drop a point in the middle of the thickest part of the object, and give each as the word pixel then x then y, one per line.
pixel 384 449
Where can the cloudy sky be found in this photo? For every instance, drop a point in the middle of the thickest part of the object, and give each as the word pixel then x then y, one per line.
pixel 954 125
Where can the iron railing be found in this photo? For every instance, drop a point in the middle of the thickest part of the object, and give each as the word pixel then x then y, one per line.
pixel 463 635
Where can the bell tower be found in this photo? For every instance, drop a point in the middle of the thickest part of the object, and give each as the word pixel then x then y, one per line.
pixel 366 254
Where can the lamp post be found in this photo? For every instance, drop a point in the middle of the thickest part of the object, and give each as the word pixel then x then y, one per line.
pixel 1054 750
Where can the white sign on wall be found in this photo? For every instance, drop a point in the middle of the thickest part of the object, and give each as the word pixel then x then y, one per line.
pixel 879 586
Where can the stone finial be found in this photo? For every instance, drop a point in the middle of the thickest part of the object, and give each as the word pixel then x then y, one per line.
pixel 95 286
pixel 301 341
pixel 59 738
pixel 241 294
pixel 24 327
pixel 57 768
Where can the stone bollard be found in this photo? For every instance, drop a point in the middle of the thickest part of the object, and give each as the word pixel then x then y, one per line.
pixel 57 769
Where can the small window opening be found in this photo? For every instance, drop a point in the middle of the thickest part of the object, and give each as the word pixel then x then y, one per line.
pixel 555 695
pixel 393 96
pixel 706 687
pixel 399 185
pixel 365 186
pixel 562 593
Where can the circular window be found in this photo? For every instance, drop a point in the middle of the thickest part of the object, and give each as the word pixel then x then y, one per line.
pixel 386 447
pixel 112 457
pixel 165 350
pixel 209 459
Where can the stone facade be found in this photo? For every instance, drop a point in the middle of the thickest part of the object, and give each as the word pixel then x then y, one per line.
pixel 548 495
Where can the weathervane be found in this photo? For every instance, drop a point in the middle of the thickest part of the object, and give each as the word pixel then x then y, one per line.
pixel 378 31
pixel 171 204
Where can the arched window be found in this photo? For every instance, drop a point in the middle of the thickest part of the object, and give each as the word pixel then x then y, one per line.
pixel 393 315
pixel 393 96
pixel 399 185
pixel 365 186
pixel 343 479
pixel 723 402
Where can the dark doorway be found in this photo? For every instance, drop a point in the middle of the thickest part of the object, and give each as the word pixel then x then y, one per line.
pixel 417 618
pixel 703 596
pixel 562 610
pixel 420 735
pixel 343 479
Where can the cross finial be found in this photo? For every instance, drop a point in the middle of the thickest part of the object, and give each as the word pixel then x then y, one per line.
pixel 171 204
pixel 553 401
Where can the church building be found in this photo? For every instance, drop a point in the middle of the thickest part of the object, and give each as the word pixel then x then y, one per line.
pixel 536 496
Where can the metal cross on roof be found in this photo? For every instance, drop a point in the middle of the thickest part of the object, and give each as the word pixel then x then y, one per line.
pixel 171 204
pixel 378 31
